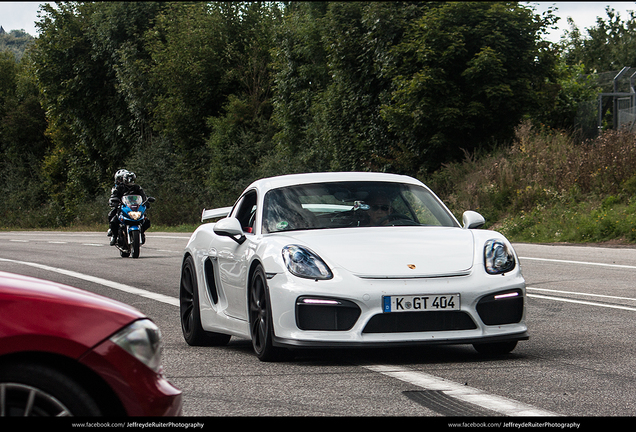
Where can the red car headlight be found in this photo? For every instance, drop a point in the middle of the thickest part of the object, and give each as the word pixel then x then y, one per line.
pixel 142 340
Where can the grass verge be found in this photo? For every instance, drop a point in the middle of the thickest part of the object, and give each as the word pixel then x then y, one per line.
pixel 549 187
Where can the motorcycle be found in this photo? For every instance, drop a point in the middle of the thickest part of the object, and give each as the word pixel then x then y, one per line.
pixel 131 215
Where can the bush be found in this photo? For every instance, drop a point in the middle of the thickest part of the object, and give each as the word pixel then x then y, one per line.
pixel 549 187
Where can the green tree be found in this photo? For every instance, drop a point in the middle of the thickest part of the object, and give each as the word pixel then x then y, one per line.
pixel 301 76
pixel 608 46
pixel 332 77
pixel 468 73
pixel 23 146
pixel 571 101
pixel 76 58
pixel 16 41
pixel 8 73
pixel 241 135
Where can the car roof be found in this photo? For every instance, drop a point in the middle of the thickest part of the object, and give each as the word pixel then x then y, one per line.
pixel 269 183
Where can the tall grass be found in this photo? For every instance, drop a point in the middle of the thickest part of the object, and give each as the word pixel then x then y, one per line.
pixel 549 186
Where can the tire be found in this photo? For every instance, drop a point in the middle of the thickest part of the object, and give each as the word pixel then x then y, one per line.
pixel 260 316
pixel 135 243
pixel 190 313
pixel 495 349
pixel 122 241
pixel 35 390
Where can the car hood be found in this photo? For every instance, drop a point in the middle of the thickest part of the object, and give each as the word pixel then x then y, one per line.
pixel 44 315
pixel 394 252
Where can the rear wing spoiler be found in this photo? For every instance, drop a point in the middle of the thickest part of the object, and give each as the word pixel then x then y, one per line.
pixel 215 213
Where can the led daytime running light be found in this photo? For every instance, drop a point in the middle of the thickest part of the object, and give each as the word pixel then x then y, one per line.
pixel 320 301
pixel 507 295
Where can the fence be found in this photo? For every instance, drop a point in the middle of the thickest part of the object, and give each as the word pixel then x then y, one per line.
pixel 621 100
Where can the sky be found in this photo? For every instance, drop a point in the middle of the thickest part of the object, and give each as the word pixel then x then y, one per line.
pixel 583 13
pixel 22 15
pixel 19 16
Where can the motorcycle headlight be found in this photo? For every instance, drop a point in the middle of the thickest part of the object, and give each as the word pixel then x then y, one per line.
pixel 142 340
pixel 304 263
pixel 497 257
pixel 134 215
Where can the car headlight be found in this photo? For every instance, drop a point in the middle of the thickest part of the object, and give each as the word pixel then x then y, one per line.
pixel 142 340
pixel 304 263
pixel 497 257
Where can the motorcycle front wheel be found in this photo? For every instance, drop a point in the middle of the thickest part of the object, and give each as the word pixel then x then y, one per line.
pixel 135 243
pixel 122 240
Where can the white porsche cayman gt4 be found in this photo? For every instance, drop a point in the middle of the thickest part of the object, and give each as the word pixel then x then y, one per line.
pixel 348 260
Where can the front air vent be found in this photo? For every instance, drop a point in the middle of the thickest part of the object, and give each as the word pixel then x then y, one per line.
pixel 505 307
pixel 326 314
pixel 210 281
pixel 403 322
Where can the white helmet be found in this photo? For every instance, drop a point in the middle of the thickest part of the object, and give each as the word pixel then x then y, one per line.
pixel 119 176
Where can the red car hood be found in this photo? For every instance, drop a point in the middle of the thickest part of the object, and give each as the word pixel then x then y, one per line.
pixel 39 315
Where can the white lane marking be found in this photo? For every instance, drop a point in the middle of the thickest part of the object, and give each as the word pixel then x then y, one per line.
pixel 468 394
pixel 581 294
pixel 184 237
pixel 121 287
pixel 465 393
pixel 580 262
pixel 581 302
pixel 54 234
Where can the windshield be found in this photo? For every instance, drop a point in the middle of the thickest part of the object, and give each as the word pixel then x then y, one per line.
pixel 352 204
pixel 132 200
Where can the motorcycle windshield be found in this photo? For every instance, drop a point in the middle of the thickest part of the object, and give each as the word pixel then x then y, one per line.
pixel 132 200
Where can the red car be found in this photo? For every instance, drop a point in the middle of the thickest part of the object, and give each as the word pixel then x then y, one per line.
pixel 68 352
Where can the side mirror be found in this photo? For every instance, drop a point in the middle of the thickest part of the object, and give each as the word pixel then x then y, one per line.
pixel 230 227
pixel 151 199
pixel 472 220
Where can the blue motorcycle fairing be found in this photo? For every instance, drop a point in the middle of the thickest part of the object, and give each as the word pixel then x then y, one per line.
pixel 127 220
pixel 131 217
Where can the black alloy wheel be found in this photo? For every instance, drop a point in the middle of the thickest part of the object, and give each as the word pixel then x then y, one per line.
pixel 190 314
pixel 261 329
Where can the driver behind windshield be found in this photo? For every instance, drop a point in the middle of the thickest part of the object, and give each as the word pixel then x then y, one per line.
pixel 379 208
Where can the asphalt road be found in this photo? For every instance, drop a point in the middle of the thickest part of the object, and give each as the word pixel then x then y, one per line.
pixel 580 360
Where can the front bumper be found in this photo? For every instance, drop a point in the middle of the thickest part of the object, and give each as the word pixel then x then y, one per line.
pixel 359 321
pixel 141 391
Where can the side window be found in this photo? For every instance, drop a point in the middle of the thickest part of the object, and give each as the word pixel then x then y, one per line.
pixel 246 212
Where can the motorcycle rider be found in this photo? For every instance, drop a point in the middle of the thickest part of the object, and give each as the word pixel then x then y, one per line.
pixel 124 185
pixel 119 179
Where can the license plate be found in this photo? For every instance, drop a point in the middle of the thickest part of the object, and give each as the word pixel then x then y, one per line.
pixel 419 303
